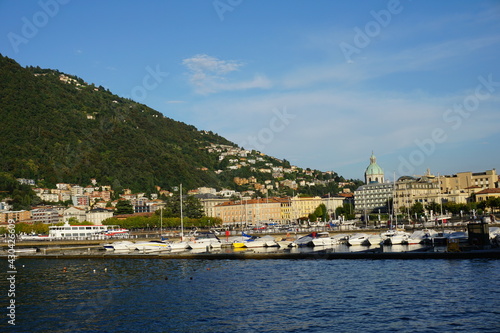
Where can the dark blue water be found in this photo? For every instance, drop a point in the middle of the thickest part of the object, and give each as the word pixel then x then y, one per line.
pixel 150 295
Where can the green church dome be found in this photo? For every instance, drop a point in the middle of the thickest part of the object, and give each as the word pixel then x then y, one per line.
pixel 374 170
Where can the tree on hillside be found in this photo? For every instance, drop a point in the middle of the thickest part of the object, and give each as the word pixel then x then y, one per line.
pixel 124 207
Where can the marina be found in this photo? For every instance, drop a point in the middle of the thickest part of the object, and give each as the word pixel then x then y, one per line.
pixel 481 241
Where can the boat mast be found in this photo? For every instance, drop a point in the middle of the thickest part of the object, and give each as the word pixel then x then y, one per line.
pixel 182 222
pixel 394 211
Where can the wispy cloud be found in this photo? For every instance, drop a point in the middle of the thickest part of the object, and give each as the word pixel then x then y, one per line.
pixel 209 75
pixel 345 123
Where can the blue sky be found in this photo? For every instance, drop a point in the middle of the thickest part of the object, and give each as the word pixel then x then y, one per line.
pixel 319 83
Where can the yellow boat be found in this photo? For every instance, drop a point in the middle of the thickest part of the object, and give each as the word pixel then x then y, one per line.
pixel 238 245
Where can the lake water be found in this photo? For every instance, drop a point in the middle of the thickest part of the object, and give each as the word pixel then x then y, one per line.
pixel 152 295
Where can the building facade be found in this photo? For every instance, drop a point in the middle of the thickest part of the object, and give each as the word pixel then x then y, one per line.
pixel 469 180
pixel 246 212
pixel 45 215
pixel 375 195
pixel 410 190
pixel 373 198
pixel 18 216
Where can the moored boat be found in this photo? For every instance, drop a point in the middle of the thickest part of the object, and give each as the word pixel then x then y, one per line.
pixel 119 246
pixel 357 239
pixel 322 239
pixel 151 246
pixel 394 237
pixel 205 240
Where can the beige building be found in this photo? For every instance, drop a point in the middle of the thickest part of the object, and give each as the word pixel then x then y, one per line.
pixel 253 211
pixel 332 203
pixel 303 206
pixel 210 204
pixel 487 193
pixel 96 216
pixel 18 216
pixel 409 190
pixel 258 211
pixel 468 181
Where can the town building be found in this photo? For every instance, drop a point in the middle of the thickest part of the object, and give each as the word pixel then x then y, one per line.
pixel 375 195
pixel 332 203
pixel 410 190
pixel 78 213
pixel 96 216
pixel 18 216
pixel 469 180
pixel 246 212
pixel 209 202
pixel 374 173
pixel 81 200
pixel 47 215
pixel 487 193
pixel 5 206
pixel 301 207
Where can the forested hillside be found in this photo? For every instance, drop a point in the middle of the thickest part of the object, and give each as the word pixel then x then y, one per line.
pixel 57 128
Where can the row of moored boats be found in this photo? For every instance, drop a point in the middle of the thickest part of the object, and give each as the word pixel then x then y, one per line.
pixel 210 241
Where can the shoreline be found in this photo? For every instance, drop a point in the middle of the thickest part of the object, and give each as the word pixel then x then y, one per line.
pixel 251 255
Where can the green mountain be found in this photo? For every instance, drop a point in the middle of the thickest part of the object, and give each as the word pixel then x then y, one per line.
pixel 58 128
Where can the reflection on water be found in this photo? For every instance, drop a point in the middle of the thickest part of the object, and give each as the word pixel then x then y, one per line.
pixel 178 295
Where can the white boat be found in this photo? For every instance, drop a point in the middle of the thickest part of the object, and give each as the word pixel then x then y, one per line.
pixel 284 243
pixel 420 236
pixel 322 239
pixel 304 241
pixel 204 240
pixel 269 241
pixel 120 246
pixel 179 246
pixel 26 250
pixel 373 239
pixel 339 239
pixel 257 242
pixel 151 246
pixel 67 231
pixel 357 239
pixel 394 237
pixel 33 237
pixel 494 233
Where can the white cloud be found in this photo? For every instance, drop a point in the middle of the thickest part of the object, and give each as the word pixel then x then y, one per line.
pixel 209 75
pixel 332 129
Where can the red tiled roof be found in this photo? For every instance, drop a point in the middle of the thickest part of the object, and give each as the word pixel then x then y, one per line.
pixel 489 190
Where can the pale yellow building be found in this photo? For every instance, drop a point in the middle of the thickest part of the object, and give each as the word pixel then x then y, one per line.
pixel 467 181
pixel 409 190
pixel 209 205
pixel 487 193
pixel 303 206
pixel 245 212
pixel 259 211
